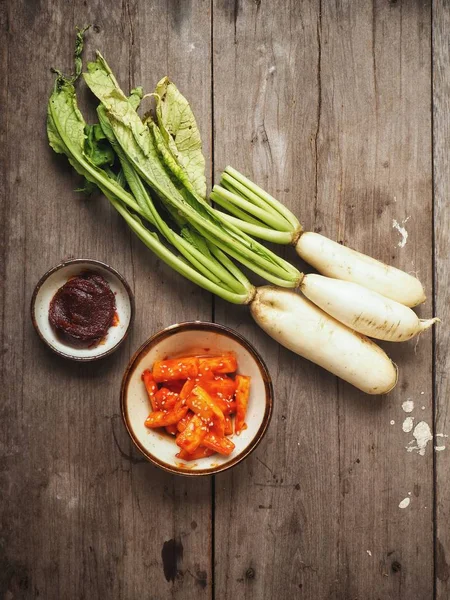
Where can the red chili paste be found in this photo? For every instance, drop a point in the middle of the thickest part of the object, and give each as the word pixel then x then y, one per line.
pixel 83 309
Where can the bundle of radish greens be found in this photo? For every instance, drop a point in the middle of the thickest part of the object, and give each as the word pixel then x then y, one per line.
pixel 152 171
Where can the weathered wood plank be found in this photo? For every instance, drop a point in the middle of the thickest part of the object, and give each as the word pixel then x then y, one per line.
pixel 4 26
pixel 82 515
pixel 354 152
pixel 328 107
pixel 272 510
pixel 441 140
pixel 375 170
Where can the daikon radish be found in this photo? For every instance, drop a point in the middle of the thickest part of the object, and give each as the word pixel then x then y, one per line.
pixel 364 310
pixel 261 215
pixel 334 260
pixel 299 325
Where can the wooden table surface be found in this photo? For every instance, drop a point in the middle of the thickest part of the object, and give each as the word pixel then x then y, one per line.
pixel 341 110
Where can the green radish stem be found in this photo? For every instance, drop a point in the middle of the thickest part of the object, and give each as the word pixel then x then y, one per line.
pixel 179 265
pixel 230 266
pixel 257 230
pixel 269 273
pixel 263 195
pixel 275 221
pixel 241 191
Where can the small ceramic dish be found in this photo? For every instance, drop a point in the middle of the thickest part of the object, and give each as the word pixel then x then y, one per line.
pixel 190 339
pixel 56 277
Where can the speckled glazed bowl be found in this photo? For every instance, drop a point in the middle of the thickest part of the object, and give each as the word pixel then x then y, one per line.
pixel 56 277
pixel 195 338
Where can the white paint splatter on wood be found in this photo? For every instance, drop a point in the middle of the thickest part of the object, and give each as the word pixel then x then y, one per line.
pixel 408 405
pixel 422 435
pixel 392 422
pixel 405 502
pixel 369 552
pixel 402 231
pixel 408 424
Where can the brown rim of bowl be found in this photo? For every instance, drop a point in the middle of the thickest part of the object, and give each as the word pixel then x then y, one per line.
pixel 203 326
pixel 72 261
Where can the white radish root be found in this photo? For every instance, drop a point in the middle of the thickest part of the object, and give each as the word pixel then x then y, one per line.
pixel 364 310
pixel 334 260
pixel 299 325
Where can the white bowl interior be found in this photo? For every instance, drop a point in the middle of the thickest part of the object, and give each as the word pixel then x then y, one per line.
pixel 49 288
pixel 187 343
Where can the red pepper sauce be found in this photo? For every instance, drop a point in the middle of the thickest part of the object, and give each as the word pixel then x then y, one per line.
pixel 83 310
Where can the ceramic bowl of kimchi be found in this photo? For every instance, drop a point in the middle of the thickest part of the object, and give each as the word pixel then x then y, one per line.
pixel 196 398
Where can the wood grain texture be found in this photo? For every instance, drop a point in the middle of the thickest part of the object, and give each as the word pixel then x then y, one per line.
pixel 328 106
pixel 374 152
pixel 83 515
pixel 334 120
pixel 282 540
pixel 441 141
